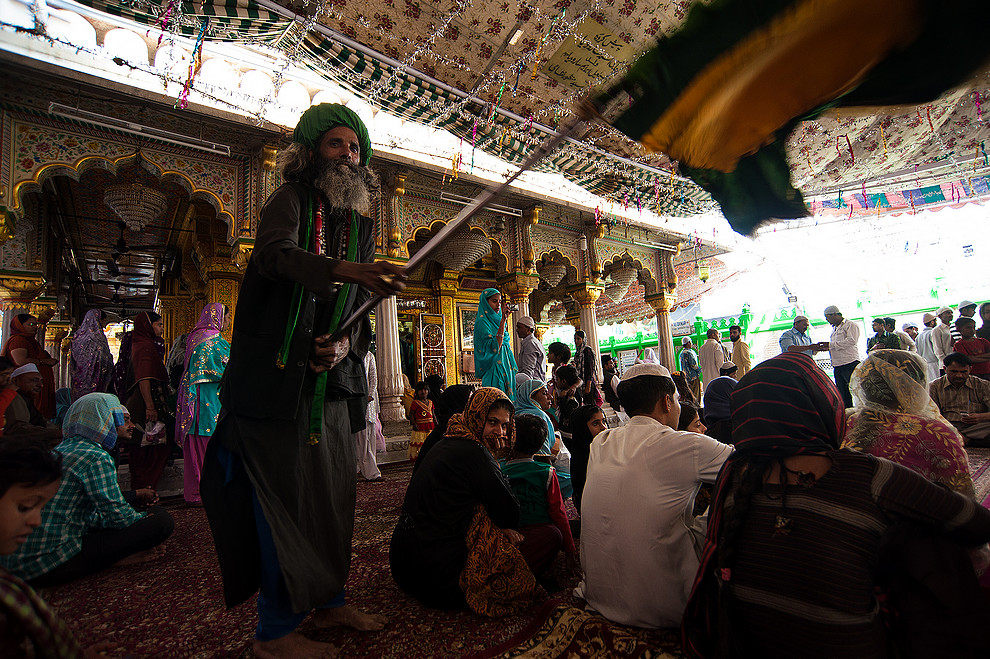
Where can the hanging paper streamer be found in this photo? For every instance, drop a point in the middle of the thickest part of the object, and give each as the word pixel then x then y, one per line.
pixel 979 110
pixel 883 138
pixel 165 18
pixel 502 137
pixel 497 101
pixel 529 123
pixel 866 201
pixel 598 215
pixel 852 155
pixel 474 142
pixel 197 62
pixel 911 199
pixel 984 150
pixel 656 191
pixel 928 111
pixel 519 71
pixel 539 49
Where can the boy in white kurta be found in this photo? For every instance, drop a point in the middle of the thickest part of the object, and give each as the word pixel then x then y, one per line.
pixel 637 529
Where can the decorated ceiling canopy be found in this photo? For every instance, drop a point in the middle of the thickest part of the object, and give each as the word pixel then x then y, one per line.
pixel 503 75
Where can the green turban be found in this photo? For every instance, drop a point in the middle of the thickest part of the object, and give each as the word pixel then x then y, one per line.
pixel 321 118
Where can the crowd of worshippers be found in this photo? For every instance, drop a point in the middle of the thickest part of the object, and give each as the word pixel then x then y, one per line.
pixel 63 514
pixel 693 511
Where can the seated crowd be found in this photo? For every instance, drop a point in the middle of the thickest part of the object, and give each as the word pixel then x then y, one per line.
pixel 762 518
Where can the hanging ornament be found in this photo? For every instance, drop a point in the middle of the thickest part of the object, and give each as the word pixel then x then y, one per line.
pixel 883 139
pixel 194 66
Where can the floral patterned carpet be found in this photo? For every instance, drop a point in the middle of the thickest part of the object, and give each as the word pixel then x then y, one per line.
pixel 174 607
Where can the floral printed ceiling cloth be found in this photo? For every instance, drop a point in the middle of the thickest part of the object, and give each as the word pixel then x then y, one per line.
pixel 467 47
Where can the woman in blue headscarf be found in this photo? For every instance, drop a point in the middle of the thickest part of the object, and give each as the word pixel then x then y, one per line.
pixel 494 362
pixel 90 524
pixel 528 401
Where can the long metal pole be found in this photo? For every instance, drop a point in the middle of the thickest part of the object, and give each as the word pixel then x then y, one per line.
pixel 469 211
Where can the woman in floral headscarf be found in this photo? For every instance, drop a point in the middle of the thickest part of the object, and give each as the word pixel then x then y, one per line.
pixel 198 401
pixel 455 543
pixel 494 363
pixel 895 418
pixel 23 348
pixel 91 361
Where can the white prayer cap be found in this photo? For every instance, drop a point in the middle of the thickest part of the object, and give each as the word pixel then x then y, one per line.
pixel 685 340
pixel 928 317
pixel 27 368
pixel 910 323
pixel 646 368
pixel 800 318
pixel 942 310
pixel 830 309
pixel 966 303
pixel 527 321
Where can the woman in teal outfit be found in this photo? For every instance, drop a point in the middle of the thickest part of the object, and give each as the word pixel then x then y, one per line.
pixel 198 404
pixel 494 362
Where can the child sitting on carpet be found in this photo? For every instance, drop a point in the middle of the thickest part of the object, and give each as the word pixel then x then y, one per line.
pixel 542 517
pixel 29 477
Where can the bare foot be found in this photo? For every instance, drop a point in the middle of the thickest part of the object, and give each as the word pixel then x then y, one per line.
pixel 140 557
pixel 348 616
pixel 293 646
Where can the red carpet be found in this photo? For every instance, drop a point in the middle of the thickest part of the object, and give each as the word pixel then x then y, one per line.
pixel 174 607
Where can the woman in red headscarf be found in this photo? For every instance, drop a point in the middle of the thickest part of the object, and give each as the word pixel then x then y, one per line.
pixel 146 389
pixel 23 348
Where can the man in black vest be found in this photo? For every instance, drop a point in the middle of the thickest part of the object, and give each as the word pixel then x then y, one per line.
pixel 279 479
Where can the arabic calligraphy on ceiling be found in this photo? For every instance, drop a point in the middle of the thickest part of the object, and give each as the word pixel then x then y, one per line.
pixel 589 56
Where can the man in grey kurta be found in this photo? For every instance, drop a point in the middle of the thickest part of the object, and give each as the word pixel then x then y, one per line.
pixel 279 477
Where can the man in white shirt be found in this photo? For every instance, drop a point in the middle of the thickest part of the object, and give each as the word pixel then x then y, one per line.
pixel 843 348
pixel 926 347
pixel 905 339
pixel 532 359
pixel 638 533
pixel 942 335
pixel 711 355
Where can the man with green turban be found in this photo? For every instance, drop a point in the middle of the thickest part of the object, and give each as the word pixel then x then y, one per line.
pixel 279 479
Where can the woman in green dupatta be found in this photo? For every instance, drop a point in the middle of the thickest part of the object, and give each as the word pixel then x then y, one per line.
pixel 494 362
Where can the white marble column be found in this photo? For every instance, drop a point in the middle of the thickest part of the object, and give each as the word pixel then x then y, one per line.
pixel 388 360
pixel 665 339
pixel 586 296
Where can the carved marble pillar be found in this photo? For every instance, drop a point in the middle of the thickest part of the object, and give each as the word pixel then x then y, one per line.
pixel 55 334
pixel 223 282
pixel 446 288
pixel 392 214
pixel 64 361
pixel 388 360
pixel 662 304
pixel 17 291
pixel 586 295
pixel 518 286
pixel 530 219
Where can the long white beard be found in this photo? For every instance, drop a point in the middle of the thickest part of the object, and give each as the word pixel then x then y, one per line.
pixel 345 185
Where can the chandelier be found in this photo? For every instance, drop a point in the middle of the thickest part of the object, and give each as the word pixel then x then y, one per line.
pixel 556 314
pixel 552 272
pixel 462 249
pixel 622 279
pixel 135 204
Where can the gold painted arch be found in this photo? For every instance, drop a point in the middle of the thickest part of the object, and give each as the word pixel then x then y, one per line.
pixel 646 276
pixel 501 259
pixel 45 171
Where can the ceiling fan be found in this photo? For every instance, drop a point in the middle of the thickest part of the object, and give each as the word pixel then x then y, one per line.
pixel 121 247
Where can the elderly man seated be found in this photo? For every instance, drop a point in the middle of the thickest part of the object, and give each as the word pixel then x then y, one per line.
pixel 963 399
pixel 22 418
pixel 638 532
